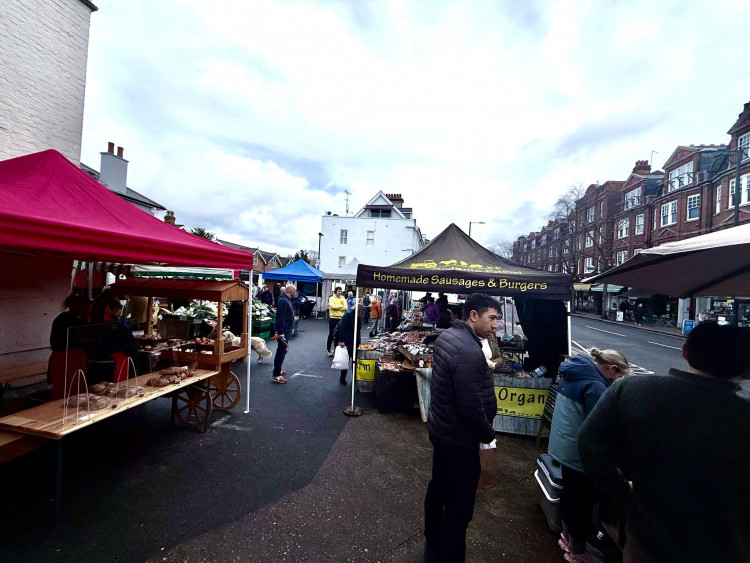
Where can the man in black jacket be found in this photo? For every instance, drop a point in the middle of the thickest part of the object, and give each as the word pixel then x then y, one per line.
pixel 674 450
pixel 283 331
pixel 462 407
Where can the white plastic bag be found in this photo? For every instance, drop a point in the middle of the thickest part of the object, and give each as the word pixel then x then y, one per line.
pixel 340 358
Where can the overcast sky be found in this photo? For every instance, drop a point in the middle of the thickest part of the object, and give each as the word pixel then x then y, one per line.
pixel 250 119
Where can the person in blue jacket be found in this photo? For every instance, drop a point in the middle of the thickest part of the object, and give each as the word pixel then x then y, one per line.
pixel 583 380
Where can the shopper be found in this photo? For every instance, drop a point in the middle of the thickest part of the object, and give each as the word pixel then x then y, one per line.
pixel 283 331
pixel 674 450
pixel 583 380
pixel 431 311
pixel 376 313
pixel 336 310
pixel 366 302
pixel 346 335
pixel 276 293
pixel 350 301
pixel 67 344
pixel 462 408
pixel 266 296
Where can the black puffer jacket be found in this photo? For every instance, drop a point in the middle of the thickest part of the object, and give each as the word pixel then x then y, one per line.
pixel 462 393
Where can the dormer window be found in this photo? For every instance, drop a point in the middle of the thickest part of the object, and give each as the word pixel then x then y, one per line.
pixel 680 177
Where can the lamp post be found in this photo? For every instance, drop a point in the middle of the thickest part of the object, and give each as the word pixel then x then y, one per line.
pixel 320 236
pixel 474 223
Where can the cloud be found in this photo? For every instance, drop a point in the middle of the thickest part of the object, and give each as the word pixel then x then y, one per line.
pixel 252 120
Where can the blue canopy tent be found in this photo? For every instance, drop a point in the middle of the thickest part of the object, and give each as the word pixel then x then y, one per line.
pixel 296 271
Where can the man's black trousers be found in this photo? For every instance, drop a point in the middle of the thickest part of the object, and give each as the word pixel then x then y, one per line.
pixel 449 502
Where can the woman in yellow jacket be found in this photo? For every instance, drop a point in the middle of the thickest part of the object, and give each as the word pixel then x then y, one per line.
pixel 376 313
pixel 336 310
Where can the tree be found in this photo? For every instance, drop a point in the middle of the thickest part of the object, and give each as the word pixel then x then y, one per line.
pixel 201 232
pixel 502 248
pixel 566 203
pixel 302 255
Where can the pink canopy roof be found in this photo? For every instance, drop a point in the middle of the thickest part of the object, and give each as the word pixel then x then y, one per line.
pixel 49 207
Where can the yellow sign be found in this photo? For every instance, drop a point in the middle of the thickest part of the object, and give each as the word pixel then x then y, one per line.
pixel 365 370
pixel 523 403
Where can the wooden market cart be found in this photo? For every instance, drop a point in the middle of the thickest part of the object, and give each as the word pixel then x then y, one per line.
pixel 224 388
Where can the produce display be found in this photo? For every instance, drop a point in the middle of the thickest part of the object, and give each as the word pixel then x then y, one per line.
pixel 89 401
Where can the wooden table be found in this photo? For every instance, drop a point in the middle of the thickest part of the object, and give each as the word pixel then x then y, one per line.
pixel 50 420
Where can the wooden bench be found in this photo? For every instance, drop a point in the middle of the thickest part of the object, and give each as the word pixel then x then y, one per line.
pixel 18 371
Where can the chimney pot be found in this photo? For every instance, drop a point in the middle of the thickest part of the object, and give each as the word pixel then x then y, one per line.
pixel 119 151
pixel 111 148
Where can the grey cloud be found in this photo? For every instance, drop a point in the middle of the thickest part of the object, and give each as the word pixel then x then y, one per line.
pixel 615 128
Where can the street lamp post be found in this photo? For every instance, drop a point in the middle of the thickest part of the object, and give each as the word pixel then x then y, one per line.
pixel 474 223
pixel 320 236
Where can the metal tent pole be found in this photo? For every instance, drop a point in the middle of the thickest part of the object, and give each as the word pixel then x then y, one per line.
pixel 351 410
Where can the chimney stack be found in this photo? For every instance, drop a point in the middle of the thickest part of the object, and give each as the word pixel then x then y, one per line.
pixel 642 167
pixel 169 218
pixel 113 171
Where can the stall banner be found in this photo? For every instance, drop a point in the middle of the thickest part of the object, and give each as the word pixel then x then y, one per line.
pixel 520 402
pixel 365 370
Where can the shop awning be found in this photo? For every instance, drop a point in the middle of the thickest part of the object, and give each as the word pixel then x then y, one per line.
pixel 49 208
pixel 611 288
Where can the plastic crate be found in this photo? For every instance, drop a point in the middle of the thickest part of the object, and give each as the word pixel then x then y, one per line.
pixel 264 335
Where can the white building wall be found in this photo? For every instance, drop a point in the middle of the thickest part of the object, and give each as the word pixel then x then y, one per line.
pixel 394 240
pixel 43 55
pixel 30 299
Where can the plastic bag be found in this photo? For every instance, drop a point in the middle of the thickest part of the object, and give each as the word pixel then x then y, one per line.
pixel 340 358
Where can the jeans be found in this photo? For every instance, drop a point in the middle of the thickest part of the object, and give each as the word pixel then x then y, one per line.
pixel 374 329
pixel 449 502
pixel 331 326
pixel 280 353
pixel 577 501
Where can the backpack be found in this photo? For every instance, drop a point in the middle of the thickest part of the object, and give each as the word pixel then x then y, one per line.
pixel 366 300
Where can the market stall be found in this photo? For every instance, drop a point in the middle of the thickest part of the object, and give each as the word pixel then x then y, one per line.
pixel 52 213
pixel 454 263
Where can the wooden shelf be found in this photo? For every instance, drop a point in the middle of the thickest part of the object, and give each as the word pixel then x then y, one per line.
pixel 49 420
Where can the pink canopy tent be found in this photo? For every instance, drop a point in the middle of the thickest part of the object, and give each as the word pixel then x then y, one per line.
pixel 51 208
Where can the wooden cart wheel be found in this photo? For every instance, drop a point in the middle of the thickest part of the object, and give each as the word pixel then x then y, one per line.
pixel 227 393
pixel 192 407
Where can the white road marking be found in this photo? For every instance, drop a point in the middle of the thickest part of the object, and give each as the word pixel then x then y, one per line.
pixel 579 346
pixel 665 345
pixel 236 427
pixel 300 374
pixel 607 331
pixel 222 420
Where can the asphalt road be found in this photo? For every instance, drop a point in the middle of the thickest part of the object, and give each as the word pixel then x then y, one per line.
pixel 647 352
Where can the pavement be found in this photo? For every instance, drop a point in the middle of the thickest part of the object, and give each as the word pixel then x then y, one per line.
pixel 292 480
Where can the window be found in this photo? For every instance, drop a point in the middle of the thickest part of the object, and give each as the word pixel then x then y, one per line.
pixel 680 177
pixel 370 238
pixel 622 257
pixel 589 239
pixel 693 207
pixel 342 261
pixel 343 236
pixel 601 210
pixel 380 212
pixel 623 228
pixel 669 213
pixel 590 215
pixel 588 265
pixel 718 199
pixel 743 143
pixel 580 239
pixel 744 191
pixel 639 221
pixel 637 251
pixel 632 198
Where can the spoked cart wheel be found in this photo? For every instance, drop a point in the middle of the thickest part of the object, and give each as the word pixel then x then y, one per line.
pixel 192 406
pixel 226 390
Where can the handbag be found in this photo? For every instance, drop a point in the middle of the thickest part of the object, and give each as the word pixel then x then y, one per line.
pixel 340 358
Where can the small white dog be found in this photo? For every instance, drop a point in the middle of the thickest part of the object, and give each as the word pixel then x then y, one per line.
pixel 259 347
